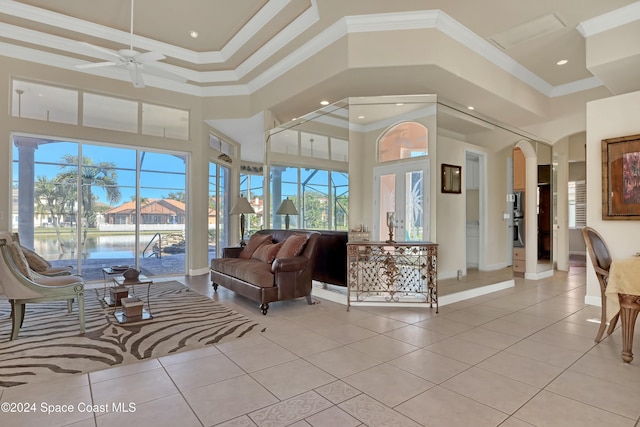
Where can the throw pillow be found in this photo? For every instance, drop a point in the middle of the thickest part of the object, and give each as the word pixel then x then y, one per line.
pixel 293 245
pixel 268 252
pixel 255 242
pixel 19 260
pixel 36 262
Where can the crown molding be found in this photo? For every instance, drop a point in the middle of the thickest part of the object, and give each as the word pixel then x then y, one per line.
pixel 577 86
pixel 429 19
pixel 255 24
pixel 610 20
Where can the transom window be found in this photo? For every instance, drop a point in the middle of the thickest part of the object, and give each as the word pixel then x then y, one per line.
pixel 403 141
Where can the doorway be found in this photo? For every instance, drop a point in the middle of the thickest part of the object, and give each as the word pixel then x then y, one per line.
pixel 402 189
pixel 474 173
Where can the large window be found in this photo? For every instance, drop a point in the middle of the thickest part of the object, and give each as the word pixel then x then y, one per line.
pixel 54 104
pixel 577 204
pixel 320 196
pixel 252 188
pixel 403 141
pixel 94 205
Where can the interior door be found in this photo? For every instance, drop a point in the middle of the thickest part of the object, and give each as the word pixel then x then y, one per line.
pixel 403 189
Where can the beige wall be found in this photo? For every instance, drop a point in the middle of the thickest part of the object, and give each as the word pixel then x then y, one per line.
pixel 608 118
pixel 197 147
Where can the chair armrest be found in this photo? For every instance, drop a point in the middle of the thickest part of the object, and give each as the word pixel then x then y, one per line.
pixel 53 271
pixel 231 252
pixel 295 263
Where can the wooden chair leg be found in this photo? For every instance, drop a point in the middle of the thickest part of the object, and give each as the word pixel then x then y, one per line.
pixel 603 319
pixel 614 322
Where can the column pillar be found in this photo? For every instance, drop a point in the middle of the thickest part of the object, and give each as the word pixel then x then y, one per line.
pixel 26 180
pixel 276 195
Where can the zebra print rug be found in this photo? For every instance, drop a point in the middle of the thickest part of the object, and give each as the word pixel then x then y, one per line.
pixel 50 344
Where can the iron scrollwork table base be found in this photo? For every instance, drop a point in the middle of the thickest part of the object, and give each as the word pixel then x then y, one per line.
pixel 392 272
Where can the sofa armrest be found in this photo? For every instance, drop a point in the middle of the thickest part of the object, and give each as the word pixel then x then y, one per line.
pixel 231 252
pixel 295 263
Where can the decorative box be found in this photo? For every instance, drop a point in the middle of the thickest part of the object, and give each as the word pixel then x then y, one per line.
pixel 117 293
pixel 132 307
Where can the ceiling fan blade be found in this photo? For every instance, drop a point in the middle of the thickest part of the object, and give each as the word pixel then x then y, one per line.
pixel 151 69
pixel 102 49
pixel 96 65
pixel 136 77
pixel 148 57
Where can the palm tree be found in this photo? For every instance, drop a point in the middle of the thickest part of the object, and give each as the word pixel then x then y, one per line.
pixel 101 174
pixel 53 197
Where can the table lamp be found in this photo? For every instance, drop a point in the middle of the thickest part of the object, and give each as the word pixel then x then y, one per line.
pixel 242 207
pixel 287 208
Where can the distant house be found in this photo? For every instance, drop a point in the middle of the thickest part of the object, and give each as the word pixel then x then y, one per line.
pixel 153 211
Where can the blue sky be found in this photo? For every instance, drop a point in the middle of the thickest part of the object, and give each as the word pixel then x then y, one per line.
pixel 160 174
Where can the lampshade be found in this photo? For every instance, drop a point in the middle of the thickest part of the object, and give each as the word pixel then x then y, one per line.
pixel 287 208
pixel 242 206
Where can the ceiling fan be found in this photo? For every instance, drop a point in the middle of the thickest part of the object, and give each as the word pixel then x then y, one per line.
pixel 133 61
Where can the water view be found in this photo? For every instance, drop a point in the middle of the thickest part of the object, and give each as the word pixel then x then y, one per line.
pixel 99 251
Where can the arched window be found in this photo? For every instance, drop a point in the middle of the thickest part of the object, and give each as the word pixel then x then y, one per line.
pixel 403 141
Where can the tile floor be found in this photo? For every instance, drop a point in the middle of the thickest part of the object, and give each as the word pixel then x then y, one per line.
pixel 524 356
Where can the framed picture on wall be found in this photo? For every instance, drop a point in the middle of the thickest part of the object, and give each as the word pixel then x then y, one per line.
pixel 621 178
pixel 451 179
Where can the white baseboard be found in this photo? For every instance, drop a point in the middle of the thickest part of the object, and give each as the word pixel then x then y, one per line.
pixel 475 292
pixel 338 294
pixel 198 271
pixel 538 276
pixel 593 300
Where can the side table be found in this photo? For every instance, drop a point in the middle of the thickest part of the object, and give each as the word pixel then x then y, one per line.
pixel 146 312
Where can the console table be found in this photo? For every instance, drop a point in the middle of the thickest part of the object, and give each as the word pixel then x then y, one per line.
pixel 400 272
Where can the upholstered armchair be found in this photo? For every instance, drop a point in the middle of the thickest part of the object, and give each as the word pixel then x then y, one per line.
pixel 21 288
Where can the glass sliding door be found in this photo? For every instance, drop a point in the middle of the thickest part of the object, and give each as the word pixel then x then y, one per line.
pixel 218 201
pixel 83 205
pixel 162 212
pixel 107 206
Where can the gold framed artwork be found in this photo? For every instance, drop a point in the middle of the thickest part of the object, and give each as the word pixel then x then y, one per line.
pixel 621 178
pixel 451 179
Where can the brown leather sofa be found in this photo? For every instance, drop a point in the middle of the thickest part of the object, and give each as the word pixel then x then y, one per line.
pixel 265 282
pixel 331 258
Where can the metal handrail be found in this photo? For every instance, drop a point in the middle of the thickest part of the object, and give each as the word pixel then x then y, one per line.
pixel 158 254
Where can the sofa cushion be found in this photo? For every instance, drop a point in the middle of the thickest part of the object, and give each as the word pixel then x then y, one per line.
pixel 267 252
pixel 292 246
pixel 249 270
pixel 255 242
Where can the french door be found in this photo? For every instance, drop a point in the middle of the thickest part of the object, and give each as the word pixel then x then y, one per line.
pixel 403 190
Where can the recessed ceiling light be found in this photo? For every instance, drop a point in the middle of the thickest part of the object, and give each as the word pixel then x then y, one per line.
pixel 562 62
pixel 399 104
pixel 361 117
pixel 324 102
pixel 193 34
pixel 471 107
